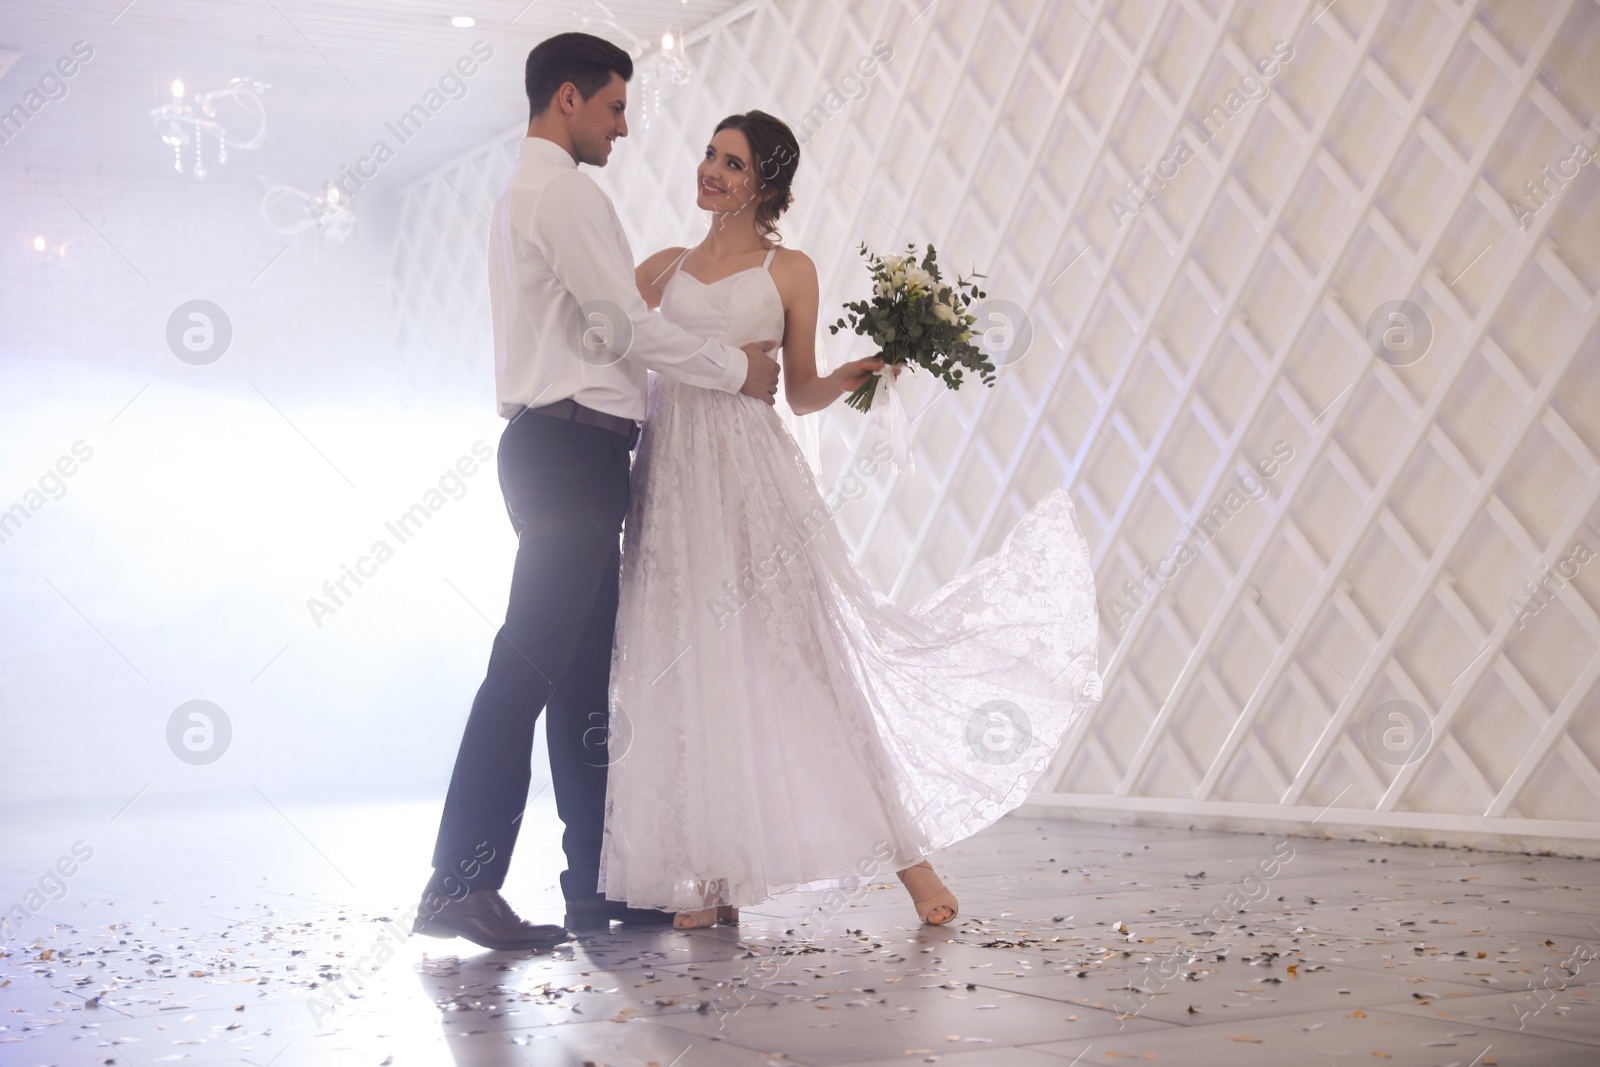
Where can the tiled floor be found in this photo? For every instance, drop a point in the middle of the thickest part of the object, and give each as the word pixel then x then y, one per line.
pixel 214 936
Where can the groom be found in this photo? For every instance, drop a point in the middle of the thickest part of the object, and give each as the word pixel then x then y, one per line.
pixel 572 340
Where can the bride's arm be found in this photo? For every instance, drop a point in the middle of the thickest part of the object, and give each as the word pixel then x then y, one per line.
pixel 651 275
pixel 804 389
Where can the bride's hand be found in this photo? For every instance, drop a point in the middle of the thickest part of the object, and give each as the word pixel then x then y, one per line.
pixel 853 375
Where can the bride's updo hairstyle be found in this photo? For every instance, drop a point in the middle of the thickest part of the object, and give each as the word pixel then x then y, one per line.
pixel 777 157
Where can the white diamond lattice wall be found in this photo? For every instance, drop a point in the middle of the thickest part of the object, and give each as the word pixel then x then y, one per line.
pixel 1302 527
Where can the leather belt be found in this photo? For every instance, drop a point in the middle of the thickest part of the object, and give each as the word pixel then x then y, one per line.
pixel 573 411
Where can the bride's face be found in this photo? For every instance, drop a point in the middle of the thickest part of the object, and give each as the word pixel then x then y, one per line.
pixel 725 181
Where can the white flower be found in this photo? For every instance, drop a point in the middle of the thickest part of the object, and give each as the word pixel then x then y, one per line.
pixel 944 313
pixel 883 289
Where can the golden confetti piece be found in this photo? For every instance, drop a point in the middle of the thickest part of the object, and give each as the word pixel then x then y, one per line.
pixel 1246 1038
pixel 1294 970
pixel 1357 1014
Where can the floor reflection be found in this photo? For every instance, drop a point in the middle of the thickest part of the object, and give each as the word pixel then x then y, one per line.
pixel 275 935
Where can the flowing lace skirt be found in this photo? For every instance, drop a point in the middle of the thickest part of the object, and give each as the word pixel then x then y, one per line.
pixel 777 723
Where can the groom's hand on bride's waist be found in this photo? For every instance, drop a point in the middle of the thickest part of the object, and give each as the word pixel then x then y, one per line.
pixel 761 377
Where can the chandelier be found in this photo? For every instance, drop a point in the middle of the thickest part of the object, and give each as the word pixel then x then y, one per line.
pixel 658 74
pixel 656 71
pixel 188 120
pixel 328 212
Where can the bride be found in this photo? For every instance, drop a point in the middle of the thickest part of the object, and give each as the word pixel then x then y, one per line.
pixel 792 729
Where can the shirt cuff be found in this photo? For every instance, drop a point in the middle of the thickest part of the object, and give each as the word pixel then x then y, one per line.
pixel 735 369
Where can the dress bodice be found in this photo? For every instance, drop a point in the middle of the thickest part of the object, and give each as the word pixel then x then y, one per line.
pixel 741 308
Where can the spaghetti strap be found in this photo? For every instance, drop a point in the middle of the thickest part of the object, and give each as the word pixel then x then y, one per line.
pixel 770 253
pixel 672 271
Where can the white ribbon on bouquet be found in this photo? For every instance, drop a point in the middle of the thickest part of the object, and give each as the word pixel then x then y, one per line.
pixel 887 415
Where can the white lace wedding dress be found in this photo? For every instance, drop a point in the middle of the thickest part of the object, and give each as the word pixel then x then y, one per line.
pixel 791 728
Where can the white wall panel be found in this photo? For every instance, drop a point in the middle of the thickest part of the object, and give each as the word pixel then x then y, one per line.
pixel 1182 338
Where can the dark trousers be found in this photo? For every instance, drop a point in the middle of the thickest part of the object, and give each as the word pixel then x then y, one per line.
pixel 566 489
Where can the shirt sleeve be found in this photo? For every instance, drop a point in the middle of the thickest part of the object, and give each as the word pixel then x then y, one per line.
pixel 588 251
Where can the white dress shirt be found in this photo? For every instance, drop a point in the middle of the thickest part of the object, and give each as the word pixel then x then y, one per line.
pixel 555 245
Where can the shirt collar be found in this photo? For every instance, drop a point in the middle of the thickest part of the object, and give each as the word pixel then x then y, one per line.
pixel 546 149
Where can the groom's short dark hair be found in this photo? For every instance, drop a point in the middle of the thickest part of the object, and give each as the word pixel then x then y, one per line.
pixel 583 59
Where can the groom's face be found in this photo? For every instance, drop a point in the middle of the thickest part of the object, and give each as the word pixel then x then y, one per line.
pixel 598 121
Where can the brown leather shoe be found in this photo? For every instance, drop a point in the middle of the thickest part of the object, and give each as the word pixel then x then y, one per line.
pixel 484 918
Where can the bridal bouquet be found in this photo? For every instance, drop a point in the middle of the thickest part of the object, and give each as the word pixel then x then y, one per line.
pixel 915 317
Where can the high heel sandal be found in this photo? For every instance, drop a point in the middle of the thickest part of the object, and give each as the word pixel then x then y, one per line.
pixel 699 920
pixel 926 906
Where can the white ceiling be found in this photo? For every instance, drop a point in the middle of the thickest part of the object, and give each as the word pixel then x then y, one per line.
pixel 339 70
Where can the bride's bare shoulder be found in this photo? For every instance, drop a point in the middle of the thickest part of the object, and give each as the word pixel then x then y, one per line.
pixel 793 263
pixel 656 262
pixel 652 275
